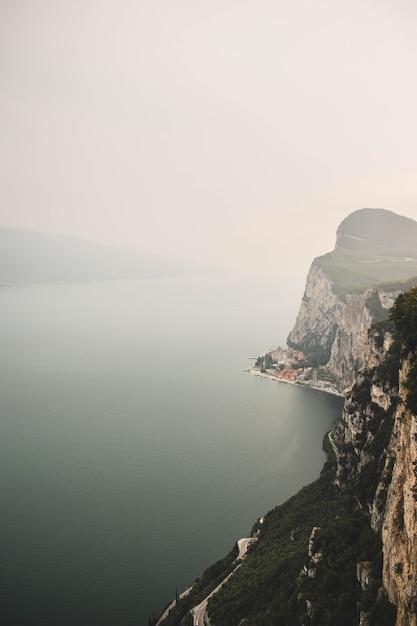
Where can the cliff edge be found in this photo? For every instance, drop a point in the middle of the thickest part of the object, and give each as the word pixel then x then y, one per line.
pixel 350 288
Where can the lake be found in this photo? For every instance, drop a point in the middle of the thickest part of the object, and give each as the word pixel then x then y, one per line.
pixel 134 449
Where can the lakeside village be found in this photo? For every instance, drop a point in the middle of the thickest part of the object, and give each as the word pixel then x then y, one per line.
pixel 290 366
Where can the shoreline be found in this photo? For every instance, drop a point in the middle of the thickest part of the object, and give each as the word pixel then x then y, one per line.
pixel 304 385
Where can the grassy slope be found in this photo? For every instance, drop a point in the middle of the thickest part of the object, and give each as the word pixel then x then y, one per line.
pixel 353 272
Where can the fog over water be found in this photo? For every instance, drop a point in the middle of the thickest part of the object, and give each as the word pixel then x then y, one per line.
pixel 135 450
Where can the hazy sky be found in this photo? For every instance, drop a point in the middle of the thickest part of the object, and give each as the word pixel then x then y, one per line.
pixel 238 133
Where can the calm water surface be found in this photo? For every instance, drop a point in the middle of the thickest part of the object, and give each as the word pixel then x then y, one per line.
pixel 134 450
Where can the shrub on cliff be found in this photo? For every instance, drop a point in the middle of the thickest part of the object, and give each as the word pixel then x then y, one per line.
pixel 404 315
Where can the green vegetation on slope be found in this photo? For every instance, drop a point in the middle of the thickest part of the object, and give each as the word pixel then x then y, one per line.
pixel 350 271
pixel 264 589
pixel 273 585
pixel 404 315
pixel 202 587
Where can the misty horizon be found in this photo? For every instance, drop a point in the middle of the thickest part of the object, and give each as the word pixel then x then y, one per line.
pixel 221 133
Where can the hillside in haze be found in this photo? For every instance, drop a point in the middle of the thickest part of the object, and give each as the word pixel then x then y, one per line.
pixel 29 257
pixel 373 247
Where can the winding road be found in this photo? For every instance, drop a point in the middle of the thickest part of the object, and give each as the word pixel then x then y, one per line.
pixel 171 606
pixel 199 612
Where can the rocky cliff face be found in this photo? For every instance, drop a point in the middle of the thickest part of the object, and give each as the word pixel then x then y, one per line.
pixel 354 317
pixel 315 327
pixel 361 438
pixel 332 329
pixel 399 536
pixel 376 452
pixel 348 289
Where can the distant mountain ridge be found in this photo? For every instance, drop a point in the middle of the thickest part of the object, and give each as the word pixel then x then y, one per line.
pixel 30 257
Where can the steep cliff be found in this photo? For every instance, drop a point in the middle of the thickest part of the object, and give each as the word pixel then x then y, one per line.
pixel 333 330
pixel 399 528
pixel 375 446
pixel 375 259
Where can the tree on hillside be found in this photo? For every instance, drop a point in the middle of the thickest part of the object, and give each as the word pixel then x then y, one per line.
pixel 404 315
